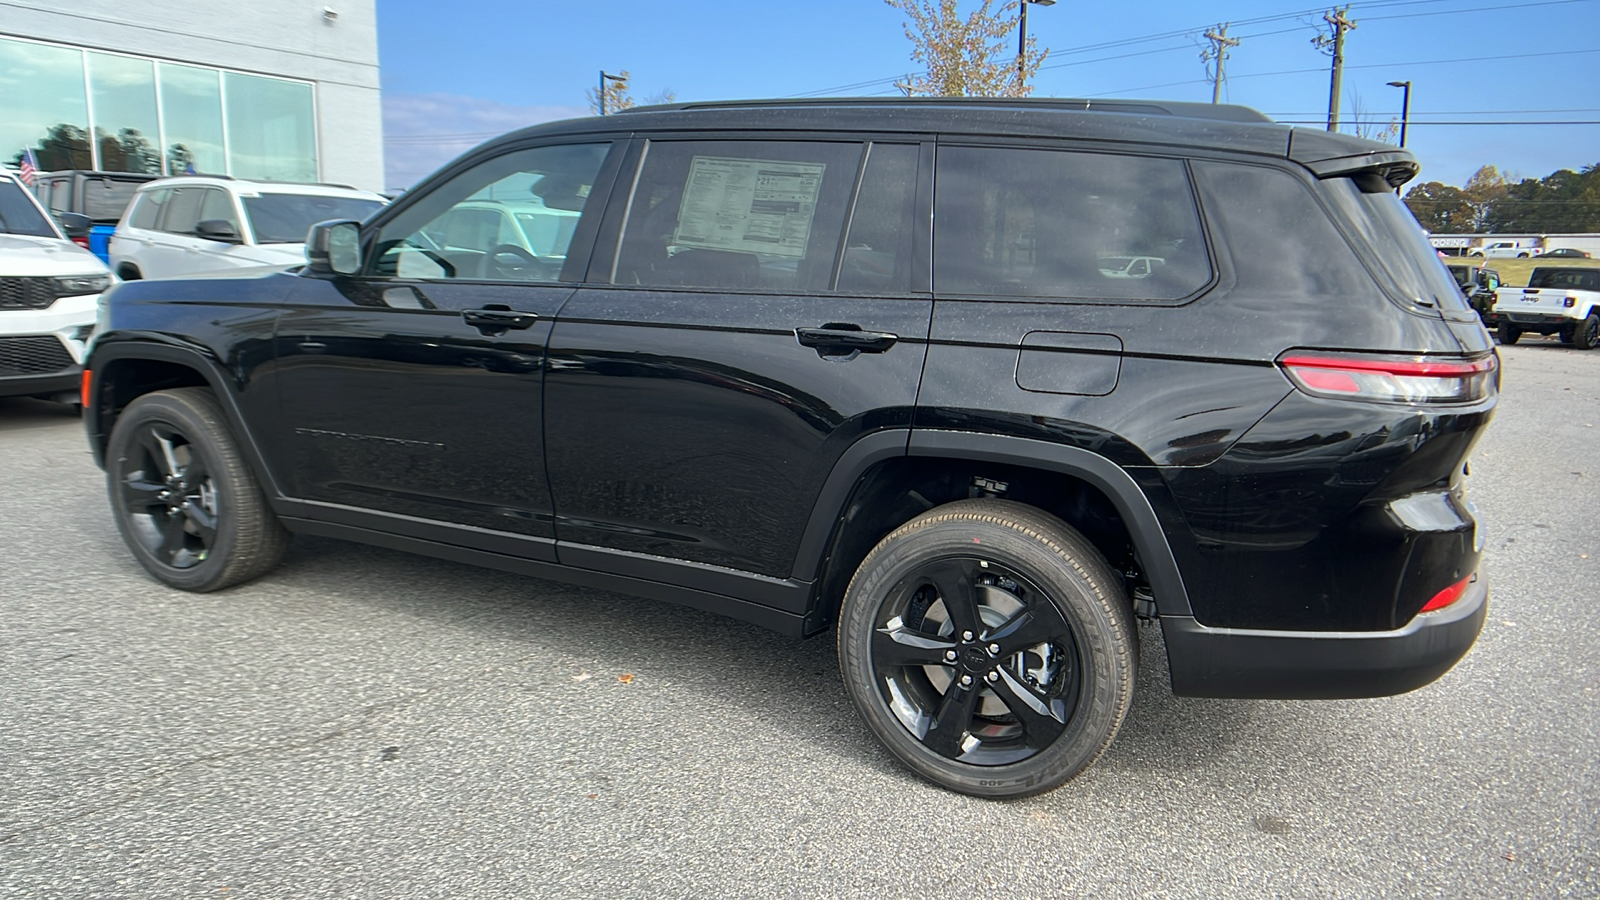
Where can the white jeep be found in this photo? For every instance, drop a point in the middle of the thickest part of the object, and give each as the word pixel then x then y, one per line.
pixel 1560 301
pixel 49 293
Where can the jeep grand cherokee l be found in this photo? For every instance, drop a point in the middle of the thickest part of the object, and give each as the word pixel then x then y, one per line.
pixel 856 364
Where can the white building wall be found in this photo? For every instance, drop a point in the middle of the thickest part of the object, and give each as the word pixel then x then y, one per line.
pixel 286 38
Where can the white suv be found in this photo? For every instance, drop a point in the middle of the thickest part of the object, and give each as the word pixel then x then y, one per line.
pixel 49 291
pixel 195 223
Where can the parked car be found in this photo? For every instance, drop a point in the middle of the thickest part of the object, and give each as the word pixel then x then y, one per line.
pixel 1129 266
pixel 762 383
pixel 48 291
pixel 1478 284
pixel 102 196
pixel 1563 301
pixel 1504 250
pixel 205 223
pixel 1565 253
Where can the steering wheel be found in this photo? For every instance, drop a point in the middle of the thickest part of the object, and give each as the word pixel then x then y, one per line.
pixel 492 268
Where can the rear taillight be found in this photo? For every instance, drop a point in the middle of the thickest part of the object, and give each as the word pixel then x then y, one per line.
pixel 81 242
pixel 1447 596
pixel 1392 379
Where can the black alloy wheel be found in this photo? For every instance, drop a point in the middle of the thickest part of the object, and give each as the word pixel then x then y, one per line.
pixel 185 502
pixel 990 647
pixel 1586 334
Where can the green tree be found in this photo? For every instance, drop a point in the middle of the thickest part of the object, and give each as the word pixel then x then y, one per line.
pixel 1483 190
pixel 967 56
pixel 1442 208
pixel 1562 202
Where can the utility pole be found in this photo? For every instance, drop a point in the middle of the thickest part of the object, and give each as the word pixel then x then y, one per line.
pixel 1220 43
pixel 1339 21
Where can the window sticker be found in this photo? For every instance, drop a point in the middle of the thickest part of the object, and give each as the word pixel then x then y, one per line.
pixel 749 205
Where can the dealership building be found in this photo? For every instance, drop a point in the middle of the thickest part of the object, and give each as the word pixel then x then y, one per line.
pixel 283 90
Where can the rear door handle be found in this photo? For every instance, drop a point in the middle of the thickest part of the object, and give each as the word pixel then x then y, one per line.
pixel 498 321
pixel 845 337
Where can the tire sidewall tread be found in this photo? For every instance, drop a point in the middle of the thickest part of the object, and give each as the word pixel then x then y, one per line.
pixel 1089 596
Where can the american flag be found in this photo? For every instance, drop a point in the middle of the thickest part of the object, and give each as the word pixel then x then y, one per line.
pixel 30 167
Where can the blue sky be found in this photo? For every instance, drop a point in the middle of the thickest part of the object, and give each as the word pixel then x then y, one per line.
pixel 457 73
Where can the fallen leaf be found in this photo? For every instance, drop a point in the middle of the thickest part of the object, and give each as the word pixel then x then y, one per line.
pixel 582 676
pixel 592 796
pixel 1509 856
pixel 1583 556
pixel 626 679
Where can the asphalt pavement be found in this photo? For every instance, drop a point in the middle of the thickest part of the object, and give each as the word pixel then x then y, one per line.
pixel 363 723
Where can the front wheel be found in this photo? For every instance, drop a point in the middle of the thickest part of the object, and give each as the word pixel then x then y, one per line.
pixel 1586 334
pixel 990 647
pixel 185 501
pixel 1508 334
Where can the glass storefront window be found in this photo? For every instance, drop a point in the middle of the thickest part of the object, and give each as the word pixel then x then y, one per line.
pixel 125 124
pixel 43 105
pixel 271 134
pixel 191 109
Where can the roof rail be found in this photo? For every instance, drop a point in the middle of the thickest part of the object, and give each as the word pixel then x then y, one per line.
pixel 1219 111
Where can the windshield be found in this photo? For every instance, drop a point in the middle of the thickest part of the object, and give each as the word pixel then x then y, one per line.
pixel 1574 279
pixel 18 215
pixel 1463 274
pixel 285 218
pixel 1393 236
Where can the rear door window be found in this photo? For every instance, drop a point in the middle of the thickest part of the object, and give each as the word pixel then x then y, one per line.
pixel 184 211
pixel 742 215
pixel 1015 222
pixel 147 208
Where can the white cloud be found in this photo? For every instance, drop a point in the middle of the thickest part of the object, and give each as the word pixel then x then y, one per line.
pixel 424 131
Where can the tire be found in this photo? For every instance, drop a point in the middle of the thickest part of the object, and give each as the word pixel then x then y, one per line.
pixel 1586 334
pixel 129 273
pixel 1508 334
pixel 1052 657
pixel 185 502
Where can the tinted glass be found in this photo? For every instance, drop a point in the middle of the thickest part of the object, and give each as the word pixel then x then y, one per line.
pixel 752 215
pixel 44 105
pixel 125 125
pixel 18 215
pixel 511 218
pixel 105 199
pixel 878 253
pixel 271 134
pixel 146 212
pixel 1279 238
pixel 191 110
pixel 285 218
pixel 1392 235
pixel 1047 223
pixel 218 205
pixel 56 194
pixel 185 210
pixel 1574 279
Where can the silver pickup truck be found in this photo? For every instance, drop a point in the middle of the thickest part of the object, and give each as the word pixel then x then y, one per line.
pixel 1559 301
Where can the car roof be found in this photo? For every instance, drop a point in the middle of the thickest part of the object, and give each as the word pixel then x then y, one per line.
pixel 261 187
pixel 1220 127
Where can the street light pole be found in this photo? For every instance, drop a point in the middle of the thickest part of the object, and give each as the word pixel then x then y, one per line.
pixel 604 77
pixel 1022 39
pixel 1405 107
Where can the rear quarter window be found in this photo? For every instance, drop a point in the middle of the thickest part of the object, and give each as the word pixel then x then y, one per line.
pixel 1278 238
pixel 146 211
pixel 1016 222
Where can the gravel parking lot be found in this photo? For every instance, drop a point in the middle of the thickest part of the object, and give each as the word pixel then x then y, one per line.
pixel 363 723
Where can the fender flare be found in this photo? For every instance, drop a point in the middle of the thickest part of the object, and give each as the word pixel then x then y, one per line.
pixel 1144 528
pixel 198 360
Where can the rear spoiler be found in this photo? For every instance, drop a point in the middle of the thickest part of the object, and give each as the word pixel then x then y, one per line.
pixel 1330 155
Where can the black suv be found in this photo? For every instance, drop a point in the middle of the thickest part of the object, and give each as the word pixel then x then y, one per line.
pixel 876 365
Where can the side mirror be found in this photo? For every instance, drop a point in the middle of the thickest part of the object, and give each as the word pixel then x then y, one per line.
pixel 334 248
pixel 76 225
pixel 218 230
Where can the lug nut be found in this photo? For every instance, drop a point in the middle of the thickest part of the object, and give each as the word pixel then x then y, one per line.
pixel 950 656
pixel 966 680
pixel 966 635
pixel 993 676
pixel 994 649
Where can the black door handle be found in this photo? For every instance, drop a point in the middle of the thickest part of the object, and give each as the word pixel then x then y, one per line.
pixel 498 321
pixel 841 337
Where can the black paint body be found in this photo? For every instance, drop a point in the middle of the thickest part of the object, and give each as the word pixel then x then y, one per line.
pixel 685 445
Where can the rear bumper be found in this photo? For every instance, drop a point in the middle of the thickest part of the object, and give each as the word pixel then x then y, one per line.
pixel 1305 665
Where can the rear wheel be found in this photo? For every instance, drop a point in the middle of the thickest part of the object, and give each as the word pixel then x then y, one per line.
pixel 1586 334
pixel 185 501
pixel 989 647
pixel 1508 334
